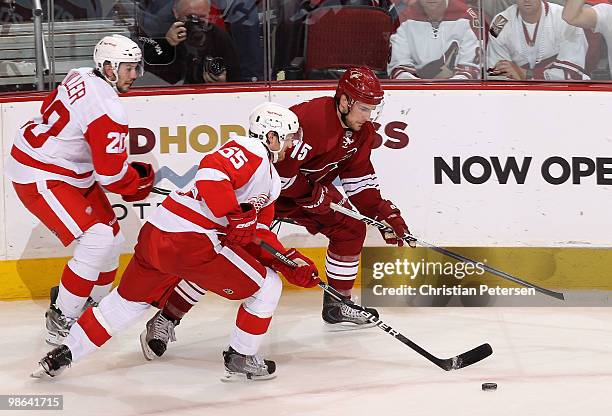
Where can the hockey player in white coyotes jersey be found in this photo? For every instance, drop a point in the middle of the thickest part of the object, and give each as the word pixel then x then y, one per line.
pixel 530 40
pixel 60 161
pixel 597 18
pixel 205 235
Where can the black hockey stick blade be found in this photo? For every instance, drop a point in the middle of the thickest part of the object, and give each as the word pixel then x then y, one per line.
pixel 467 358
pixel 454 363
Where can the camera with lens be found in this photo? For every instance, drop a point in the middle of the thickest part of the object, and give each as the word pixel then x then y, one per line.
pixel 196 30
pixel 214 66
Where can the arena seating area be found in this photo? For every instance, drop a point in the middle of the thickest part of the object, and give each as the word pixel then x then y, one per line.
pixel 311 39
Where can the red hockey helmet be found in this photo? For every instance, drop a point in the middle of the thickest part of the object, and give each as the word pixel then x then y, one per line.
pixel 360 84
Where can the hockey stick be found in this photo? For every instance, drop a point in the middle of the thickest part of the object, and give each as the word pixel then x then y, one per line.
pixel 454 363
pixel 160 191
pixel 354 214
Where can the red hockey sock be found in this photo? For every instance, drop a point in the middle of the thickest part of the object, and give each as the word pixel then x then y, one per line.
pixel 76 284
pixel 341 271
pixel 250 323
pixel 185 295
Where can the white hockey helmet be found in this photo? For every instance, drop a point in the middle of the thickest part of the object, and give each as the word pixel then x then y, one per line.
pixel 272 117
pixel 116 49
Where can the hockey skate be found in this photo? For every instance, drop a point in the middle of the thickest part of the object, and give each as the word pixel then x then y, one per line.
pixel 52 364
pixel 158 332
pixel 343 317
pixel 58 326
pixel 239 367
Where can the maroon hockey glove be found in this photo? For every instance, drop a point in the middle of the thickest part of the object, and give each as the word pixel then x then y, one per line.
pixel 145 183
pixel 241 227
pixel 305 275
pixel 390 214
pixel 318 202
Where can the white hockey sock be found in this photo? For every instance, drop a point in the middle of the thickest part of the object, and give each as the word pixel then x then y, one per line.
pixel 99 292
pixel 255 314
pixel 71 305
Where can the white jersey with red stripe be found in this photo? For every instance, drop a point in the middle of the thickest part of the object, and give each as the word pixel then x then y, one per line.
pixel 604 26
pixel 557 50
pixel 238 172
pixel 419 48
pixel 79 137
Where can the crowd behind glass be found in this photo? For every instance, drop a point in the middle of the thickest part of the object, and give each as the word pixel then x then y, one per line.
pixel 218 41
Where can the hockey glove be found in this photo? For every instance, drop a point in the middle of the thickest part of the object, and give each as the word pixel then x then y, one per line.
pixel 318 202
pixel 305 275
pixel 241 227
pixel 145 183
pixel 390 214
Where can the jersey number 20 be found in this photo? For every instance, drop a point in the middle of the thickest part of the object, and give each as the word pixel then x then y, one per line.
pixel 63 117
pixel 117 142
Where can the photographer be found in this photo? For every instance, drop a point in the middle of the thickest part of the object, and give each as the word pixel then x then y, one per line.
pixel 193 50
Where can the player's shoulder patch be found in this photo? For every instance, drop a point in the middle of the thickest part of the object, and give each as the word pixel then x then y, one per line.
pixel 474 18
pixel 497 25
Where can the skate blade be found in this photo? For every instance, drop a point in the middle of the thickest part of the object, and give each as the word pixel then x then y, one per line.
pixel 40 372
pixel 347 326
pixel 148 353
pixel 231 377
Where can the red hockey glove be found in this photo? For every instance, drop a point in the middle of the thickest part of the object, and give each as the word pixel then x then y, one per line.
pixel 318 202
pixel 390 214
pixel 145 183
pixel 305 275
pixel 241 227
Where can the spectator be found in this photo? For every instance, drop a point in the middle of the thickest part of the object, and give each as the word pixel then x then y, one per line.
pixel 597 18
pixel 530 40
pixel 240 17
pixel 193 50
pixel 437 39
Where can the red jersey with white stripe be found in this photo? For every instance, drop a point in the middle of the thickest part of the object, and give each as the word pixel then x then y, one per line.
pixel 79 137
pixel 328 151
pixel 238 172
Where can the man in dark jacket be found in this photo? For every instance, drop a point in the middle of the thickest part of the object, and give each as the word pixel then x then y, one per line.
pixel 192 50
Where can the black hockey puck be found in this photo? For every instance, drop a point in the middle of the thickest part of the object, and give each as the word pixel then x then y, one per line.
pixel 489 386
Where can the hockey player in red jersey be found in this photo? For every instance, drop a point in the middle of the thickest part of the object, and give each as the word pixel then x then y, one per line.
pixel 205 235
pixel 338 139
pixel 62 160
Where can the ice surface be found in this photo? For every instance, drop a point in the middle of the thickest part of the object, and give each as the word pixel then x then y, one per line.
pixel 546 361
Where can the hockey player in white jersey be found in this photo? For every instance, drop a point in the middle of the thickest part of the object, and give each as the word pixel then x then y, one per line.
pixel 205 236
pixel 530 40
pixel 597 18
pixel 63 158
pixel 436 40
